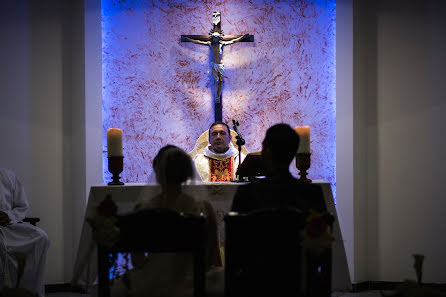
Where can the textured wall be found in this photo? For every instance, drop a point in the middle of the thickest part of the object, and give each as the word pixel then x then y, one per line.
pixel 158 90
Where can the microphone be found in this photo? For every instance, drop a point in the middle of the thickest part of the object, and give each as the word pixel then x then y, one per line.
pixel 240 141
pixel 236 124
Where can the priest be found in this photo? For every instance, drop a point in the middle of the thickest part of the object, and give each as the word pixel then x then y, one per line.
pixel 23 246
pixel 219 161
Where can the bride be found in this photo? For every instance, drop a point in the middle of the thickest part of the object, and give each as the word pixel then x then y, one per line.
pixel 172 274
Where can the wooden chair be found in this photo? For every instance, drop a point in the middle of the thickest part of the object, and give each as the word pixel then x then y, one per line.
pixel 263 256
pixel 32 221
pixel 157 231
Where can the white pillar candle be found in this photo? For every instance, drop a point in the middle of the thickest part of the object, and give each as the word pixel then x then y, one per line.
pixel 304 135
pixel 114 142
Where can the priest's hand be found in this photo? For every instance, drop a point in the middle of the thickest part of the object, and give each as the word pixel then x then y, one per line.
pixel 4 219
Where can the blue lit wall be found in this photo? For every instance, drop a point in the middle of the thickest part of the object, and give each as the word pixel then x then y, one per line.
pixel 158 90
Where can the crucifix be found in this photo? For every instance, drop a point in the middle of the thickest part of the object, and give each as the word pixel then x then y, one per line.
pixel 216 40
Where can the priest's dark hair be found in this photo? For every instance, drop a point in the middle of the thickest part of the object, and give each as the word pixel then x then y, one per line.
pixel 219 123
pixel 172 165
pixel 283 143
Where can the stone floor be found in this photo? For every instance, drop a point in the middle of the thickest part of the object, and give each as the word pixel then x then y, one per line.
pixel 337 294
pixel 361 294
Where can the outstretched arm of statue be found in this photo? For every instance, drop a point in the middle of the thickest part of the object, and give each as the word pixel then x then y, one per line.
pixel 237 39
pixel 197 41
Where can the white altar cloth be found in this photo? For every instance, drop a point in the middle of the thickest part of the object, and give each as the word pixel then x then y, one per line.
pixel 220 195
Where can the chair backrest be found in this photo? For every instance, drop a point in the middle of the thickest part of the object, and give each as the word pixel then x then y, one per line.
pixel 203 141
pixel 158 231
pixel 33 221
pixel 264 256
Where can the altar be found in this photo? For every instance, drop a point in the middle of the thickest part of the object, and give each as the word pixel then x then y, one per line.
pixel 218 194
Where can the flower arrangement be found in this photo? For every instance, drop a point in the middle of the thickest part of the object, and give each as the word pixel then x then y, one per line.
pixel 106 233
pixel 317 232
pixel 103 222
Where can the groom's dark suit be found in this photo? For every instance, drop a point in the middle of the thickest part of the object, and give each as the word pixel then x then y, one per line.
pixel 279 189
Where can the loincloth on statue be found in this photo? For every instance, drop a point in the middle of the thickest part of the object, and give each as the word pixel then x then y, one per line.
pixel 218 70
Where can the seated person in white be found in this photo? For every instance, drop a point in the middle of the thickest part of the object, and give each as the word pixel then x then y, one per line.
pixel 219 160
pixel 172 274
pixel 19 238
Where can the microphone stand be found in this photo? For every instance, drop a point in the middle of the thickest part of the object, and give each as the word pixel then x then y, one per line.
pixel 240 141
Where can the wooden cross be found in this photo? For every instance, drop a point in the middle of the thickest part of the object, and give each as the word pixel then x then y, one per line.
pixel 216 40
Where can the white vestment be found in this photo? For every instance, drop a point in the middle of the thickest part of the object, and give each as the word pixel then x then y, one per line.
pixel 201 161
pixel 18 237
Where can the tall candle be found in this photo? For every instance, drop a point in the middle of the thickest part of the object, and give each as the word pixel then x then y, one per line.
pixel 304 135
pixel 114 142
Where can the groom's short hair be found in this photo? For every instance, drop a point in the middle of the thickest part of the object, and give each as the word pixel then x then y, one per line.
pixel 283 142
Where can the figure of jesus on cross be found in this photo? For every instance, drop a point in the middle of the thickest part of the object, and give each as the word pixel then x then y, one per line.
pixel 216 40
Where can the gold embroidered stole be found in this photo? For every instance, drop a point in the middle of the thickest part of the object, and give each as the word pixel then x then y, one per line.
pixel 221 170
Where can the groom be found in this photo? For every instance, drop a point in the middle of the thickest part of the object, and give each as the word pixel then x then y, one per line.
pixel 279 188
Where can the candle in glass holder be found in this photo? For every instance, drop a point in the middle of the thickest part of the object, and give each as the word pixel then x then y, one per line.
pixel 114 142
pixel 304 136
